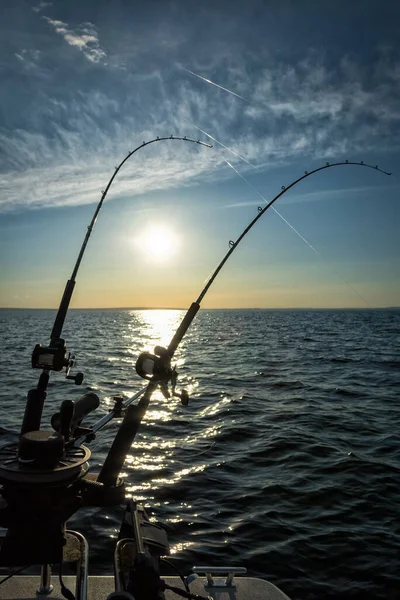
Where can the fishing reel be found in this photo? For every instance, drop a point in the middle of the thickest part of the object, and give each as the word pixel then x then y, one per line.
pixel 157 367
pixel 45 479
pixel 55 358
pixel 41 480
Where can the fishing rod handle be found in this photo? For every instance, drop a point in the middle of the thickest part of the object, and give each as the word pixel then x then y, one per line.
pixel 62 310
pixel 183 327
pixel 81 408
pixel 107 418
pixel 120 447
pixel 123 440
pixel 33 410
pixel 66 416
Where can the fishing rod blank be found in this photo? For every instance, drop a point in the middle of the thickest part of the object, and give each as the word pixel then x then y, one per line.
pixel 59 321
pixel 55 357
pixel 194 307
pixel 157 369
pixel 147 365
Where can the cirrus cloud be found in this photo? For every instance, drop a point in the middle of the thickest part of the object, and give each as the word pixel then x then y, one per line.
pixel 84 37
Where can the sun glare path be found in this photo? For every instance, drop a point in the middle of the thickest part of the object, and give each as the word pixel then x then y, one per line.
pixel 158 326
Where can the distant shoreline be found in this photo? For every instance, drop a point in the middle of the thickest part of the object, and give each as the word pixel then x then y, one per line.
pixel 115 308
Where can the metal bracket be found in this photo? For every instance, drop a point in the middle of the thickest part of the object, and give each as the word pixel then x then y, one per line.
pixel 220 583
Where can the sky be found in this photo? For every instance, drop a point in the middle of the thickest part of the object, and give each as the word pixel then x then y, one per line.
pixel 276 88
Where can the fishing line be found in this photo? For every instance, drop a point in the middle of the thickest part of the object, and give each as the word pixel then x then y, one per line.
pixel 195 306
pixel 221 144
pixel 257 192
pixel 275 210
pixel 273 207
pixel 14 573
pixel 298 233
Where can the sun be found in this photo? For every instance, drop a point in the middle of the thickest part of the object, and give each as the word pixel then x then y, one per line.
pixel 159 243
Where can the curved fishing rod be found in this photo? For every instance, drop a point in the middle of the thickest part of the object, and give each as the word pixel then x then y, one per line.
pixel 55 357
pixel 191 313
pixel 156 368
pixel 69 288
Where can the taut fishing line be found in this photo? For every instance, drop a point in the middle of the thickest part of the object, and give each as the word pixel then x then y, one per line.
pixel 257 192
pixel 221 144
pixel 277 212
pixel 299 234
pixel 273 207
pixel 156 368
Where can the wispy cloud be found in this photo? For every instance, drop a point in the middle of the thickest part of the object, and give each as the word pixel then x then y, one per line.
pixel 71 165
pixel 26 55
pixel 309 107
pixel 41 6
pixel 79 120
pixel 84 37
pixel 319 196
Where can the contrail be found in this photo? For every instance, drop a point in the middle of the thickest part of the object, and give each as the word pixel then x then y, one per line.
pixel 216 85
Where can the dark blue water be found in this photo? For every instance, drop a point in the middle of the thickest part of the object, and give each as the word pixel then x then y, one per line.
pixel 287 460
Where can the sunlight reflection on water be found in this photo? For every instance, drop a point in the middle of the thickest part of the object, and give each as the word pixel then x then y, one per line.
pixel 157 326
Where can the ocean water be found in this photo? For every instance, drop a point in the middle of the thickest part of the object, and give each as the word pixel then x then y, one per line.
pixel 287 459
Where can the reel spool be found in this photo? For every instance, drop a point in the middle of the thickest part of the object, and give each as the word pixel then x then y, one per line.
pixel 40 458
pixel 40 479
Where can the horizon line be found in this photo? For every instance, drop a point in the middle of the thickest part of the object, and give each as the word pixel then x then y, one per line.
pixel 215 308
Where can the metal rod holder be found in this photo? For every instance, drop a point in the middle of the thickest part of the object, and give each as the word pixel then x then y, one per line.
pixel 230 573
pixel 45 586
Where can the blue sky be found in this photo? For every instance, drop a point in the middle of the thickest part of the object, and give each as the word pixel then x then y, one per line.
pixel 300 84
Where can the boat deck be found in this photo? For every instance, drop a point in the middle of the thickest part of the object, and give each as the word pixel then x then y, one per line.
pixel 247 588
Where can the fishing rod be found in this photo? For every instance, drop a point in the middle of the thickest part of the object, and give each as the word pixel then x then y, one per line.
pixel 44 476
pixel 156 368
pixel 192 311
pixel 55 357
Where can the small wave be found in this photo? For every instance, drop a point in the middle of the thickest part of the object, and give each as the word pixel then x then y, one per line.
pixel 4 432
pixel 349 393
pixel 343 360
pixel 389 364
pixel 289 385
